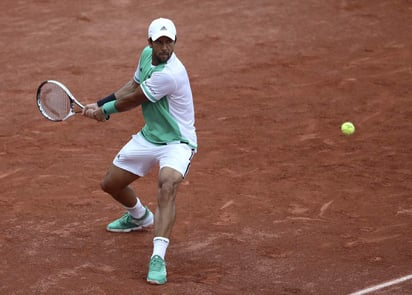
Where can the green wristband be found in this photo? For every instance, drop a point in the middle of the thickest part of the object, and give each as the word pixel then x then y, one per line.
pixel 109 108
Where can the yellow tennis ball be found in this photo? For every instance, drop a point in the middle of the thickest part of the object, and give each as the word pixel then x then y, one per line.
pixel 347 128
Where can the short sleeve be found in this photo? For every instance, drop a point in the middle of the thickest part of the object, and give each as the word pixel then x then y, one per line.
pixel 159 85
pixel 136 77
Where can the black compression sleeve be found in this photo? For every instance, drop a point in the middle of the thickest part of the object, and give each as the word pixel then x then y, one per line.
pixel 102 101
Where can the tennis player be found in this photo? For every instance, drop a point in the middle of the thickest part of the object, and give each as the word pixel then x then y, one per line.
pixel 167 140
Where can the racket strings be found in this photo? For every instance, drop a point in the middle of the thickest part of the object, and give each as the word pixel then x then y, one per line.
pixel 54 102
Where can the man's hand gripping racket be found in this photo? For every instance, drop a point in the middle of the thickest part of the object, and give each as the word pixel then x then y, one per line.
pixel 57 103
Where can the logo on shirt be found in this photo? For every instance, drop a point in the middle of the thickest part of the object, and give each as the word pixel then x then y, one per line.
pixel 151 89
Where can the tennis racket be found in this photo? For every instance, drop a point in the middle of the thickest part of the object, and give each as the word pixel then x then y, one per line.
pixel 56 102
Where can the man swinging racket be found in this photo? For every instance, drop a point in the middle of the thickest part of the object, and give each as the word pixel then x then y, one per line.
pixel 168 139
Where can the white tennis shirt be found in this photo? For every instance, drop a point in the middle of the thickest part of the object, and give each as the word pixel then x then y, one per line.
pixel 169 116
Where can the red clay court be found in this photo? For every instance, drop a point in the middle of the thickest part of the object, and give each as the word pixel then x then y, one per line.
pixel 277 201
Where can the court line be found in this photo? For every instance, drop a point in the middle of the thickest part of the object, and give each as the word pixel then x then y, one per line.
pixel 7 174
pixel 383 285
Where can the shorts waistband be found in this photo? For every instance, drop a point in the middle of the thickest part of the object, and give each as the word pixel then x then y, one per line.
pixel 174 142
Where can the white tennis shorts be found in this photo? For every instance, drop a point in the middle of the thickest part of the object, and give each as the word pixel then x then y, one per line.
pixel 139 156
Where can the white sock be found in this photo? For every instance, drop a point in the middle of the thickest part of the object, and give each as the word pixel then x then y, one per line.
pixel 160 246
pixel 138 210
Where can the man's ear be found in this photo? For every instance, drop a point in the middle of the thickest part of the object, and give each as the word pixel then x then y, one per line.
pixel 150 42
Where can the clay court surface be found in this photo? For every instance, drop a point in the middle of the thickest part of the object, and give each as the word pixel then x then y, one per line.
pixel 277 200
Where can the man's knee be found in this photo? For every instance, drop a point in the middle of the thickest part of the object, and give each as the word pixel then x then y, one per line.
pixel 168 187
pixel 168 190
pixel 104 186
pixel 108 186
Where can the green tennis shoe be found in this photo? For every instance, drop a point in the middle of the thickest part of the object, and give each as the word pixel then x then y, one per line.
pixel 127 223
pixel 157 271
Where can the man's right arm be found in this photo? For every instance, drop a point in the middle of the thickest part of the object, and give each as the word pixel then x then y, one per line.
pixel 129 96
pixel 126 98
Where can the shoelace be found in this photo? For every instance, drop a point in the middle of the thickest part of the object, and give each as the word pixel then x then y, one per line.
pixel 125 219
pixel 156 264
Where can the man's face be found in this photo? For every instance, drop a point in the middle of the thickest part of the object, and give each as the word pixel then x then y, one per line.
pixel 163 48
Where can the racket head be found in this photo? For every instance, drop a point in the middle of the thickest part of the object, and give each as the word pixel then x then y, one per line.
pixel 55 102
